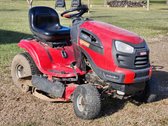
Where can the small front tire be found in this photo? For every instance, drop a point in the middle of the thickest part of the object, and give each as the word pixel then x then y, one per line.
pixel 86 102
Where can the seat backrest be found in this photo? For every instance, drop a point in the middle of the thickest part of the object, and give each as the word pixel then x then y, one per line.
pixel 41 17
pixel 75 3
pixel 60 3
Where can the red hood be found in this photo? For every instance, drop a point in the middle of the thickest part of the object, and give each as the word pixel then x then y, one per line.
pixel 115 33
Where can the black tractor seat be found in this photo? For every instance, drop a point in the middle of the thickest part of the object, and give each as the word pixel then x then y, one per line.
pixel 45 24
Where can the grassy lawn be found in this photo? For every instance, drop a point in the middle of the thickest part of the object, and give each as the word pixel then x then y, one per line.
pixel 14 23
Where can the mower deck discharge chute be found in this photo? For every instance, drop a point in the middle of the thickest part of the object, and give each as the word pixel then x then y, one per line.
pixel 83 63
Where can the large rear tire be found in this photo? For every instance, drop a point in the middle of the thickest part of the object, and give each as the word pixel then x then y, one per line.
pixel 22 69
pixel 86 102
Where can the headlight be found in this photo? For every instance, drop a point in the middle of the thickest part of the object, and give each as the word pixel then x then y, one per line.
pixel 123 47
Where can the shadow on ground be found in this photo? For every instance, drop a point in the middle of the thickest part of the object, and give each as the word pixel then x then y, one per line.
pixel 8 10
pixel 12 36
pixel 161 28
pixel 103 16
pixel 158 2
pixel 110 106
pixel 162 80
pixel 163 9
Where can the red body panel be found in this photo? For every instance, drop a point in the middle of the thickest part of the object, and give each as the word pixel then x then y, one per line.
pixel 107 33
pixel 49 60
pixel 69 91
pixel 129 74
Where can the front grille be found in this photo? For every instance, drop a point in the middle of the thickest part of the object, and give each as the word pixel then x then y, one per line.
pixel 141 61
pixel 137 60
pixel 133 61
pixel 125 61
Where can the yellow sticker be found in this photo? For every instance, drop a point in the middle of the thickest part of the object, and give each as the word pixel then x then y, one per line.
pixel 82 42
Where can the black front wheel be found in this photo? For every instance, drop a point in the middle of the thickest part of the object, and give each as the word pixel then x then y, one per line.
pixel 86 102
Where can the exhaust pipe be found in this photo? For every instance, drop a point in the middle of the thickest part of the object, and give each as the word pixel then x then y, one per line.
pixel 56 88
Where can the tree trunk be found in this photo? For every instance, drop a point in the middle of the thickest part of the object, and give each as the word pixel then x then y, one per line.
pixel 148 5
pixel 30 2
pixel 167 2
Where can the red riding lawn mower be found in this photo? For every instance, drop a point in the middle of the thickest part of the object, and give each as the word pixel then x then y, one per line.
pixel 82 64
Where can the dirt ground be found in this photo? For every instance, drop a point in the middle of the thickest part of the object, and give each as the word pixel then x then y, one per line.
pixel 17 108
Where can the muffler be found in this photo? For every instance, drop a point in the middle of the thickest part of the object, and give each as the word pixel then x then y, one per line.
pixel 56 88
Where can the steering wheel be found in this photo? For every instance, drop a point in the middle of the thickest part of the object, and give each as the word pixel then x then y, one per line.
pixel 81 10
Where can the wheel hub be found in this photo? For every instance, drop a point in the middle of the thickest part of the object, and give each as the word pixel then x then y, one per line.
pixel 19 71
pixel 80 103
pixel 19 74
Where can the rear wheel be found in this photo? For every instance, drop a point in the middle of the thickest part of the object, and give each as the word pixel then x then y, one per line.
pixel 150 93
pixel 22 69
pixel 86 102
pixel 151 90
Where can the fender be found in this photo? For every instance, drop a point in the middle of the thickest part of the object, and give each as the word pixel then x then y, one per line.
pixel 37 52
pixel 49 60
